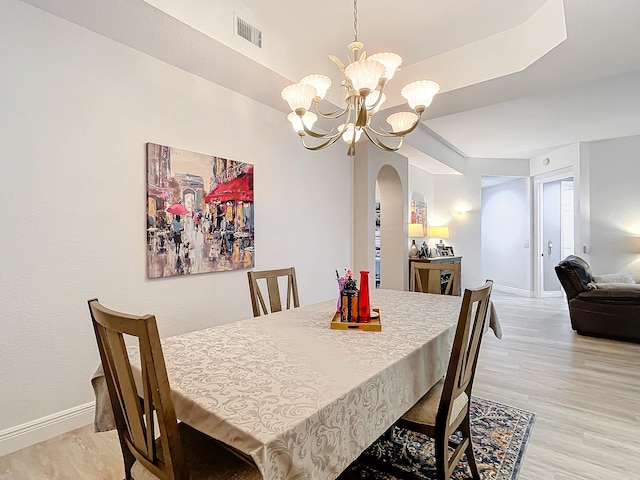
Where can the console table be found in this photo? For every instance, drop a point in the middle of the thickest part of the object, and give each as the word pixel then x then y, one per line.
pixel 434 282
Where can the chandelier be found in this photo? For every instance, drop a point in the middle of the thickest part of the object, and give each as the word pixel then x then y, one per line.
pixel 363 87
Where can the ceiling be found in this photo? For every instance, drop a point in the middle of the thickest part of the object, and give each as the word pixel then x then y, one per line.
pixel 518 78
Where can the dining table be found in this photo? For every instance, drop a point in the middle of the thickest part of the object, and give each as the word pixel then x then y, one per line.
pixel 304 400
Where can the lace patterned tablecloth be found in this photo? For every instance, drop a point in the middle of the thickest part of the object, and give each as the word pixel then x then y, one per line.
pixel 302 399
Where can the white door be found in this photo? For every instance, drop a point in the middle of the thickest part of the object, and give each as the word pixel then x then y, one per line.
pixel 556 231
pixel 551 233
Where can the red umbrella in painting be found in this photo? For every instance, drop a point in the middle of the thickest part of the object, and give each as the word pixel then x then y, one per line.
pixel 177 209
pixel 238 189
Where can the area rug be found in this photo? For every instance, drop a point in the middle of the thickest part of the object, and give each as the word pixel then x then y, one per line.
pixel 500 434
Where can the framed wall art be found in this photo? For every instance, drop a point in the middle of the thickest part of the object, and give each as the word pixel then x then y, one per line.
pixel 419 213
pixel 199 213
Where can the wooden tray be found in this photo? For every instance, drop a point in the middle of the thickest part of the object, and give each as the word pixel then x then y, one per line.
pixel 373 325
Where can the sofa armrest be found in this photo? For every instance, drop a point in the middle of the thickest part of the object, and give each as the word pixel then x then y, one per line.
pixel 575 276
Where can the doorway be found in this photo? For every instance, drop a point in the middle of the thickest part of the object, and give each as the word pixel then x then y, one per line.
pixel 390 235
pixel 506 233
pixel 555 222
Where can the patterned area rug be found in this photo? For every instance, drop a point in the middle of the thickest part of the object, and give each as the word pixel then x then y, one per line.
pixel 500 434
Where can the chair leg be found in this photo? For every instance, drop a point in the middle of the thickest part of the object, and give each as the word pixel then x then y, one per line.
pixel 442 457
pixel 465 429
pixel 129 460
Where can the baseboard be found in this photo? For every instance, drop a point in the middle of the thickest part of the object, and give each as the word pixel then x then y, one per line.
pixel 515 291
pixel 557 294
pixel 44 428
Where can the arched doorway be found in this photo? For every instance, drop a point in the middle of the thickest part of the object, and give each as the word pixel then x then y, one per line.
pixel 393 248
pixel 391 172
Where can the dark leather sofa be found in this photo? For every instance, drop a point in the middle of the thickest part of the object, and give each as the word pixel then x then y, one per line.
pixel 608 310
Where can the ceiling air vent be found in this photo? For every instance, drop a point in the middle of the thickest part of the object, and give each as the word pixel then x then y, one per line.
pixel 247 31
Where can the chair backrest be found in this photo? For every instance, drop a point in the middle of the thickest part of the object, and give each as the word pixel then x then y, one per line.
pixel 464 353
pixel 441 270
pixel 270 278
pixel 135 409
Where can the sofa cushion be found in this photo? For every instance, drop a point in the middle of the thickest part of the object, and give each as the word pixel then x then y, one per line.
pixel 613 292
pixel 614 278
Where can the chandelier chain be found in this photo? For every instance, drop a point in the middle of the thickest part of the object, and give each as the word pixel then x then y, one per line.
pixel 355 20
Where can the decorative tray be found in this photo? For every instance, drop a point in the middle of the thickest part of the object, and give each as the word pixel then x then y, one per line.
pixel 373 325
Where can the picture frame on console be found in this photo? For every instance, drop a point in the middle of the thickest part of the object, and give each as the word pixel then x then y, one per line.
pixel 447 251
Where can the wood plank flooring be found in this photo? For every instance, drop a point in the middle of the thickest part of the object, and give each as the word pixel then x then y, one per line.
pixel 585 392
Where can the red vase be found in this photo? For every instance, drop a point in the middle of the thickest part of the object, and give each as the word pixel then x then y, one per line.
pixel 364 306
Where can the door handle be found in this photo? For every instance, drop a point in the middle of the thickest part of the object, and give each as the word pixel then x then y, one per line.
pixel 549 246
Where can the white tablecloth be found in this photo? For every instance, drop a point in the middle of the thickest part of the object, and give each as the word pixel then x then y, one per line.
pixel 302 399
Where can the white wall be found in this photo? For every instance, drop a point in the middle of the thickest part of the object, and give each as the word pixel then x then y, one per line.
pixel 391 170
pixel 454 193
pixel 605 181
pixel 77 110
pixel 421 188
pixel 615 202
pixel 506 235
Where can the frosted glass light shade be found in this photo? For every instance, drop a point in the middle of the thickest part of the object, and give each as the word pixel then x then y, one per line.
pixel 391 62
pixel 308 118
pixel 299 95
pixel 372 98
pixel 402 121
pixel 347 136
pixel 420 93
pixel 321 83
pixel 364 74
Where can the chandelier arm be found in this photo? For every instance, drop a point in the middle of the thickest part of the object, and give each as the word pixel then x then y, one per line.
pixel 326 144
pixel 382 84
pixel 329 135
pixel 385 133
pixel 333 115
pixel 378 143
pixel 337 113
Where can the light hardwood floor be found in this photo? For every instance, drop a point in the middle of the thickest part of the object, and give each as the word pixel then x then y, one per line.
pixel 585 392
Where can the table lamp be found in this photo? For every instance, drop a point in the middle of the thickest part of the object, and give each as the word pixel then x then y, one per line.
pixel 415 230
pixel 438 232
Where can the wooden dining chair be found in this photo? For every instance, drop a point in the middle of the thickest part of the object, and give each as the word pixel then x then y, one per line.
pixel 174 451
pixel 427 283
pixel 445 408
pixel 270 278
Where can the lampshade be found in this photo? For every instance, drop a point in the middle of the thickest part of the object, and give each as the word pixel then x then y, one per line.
pixel 347 136
pixel 299 95
pixel 438 232
pixel 321 83
pixel 420 93
pixel 308 118
pixel 364 74
pixel 401 121
pixel 371 100
pixel 416 230
pixel 391 62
